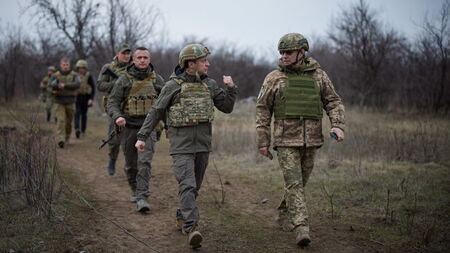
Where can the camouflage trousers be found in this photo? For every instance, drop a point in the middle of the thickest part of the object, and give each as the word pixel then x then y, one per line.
pixel 189 171
pixel 138 164
pixel 296 163
pixel 64 114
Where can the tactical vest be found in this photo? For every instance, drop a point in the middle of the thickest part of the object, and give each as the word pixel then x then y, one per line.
pixel 300 99
pixel 66 79
pixel 195 105
pixel 141 97
pixel 44 82
pixel 119 71
pixel 85 88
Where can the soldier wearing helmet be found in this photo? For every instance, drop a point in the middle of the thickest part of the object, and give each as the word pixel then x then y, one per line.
pixel 188 102
pixel 295 94
pixel 130 100
pixel 64 85
pixel 85 97
pixel 108 75
pixel 46 94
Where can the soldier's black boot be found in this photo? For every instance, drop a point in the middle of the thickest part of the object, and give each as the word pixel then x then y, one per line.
pixel 77 133
pixel 111 167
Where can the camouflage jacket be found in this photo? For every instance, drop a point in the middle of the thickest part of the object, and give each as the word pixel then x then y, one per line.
pixel 105 82
pixel 190 139
pixel 121 90
pixel 295 132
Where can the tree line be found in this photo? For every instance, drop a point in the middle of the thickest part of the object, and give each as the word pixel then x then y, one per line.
pixel 370 64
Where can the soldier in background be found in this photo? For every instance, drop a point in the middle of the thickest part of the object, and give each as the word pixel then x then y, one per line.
pixel 85 97
pixel 105 83
pixel 64 85
pixel 296 94
pixel 188 101
pixel 46 94
pixel 131 98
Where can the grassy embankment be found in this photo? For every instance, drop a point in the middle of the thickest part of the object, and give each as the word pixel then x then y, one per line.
pixel 388 181
pixel 37 211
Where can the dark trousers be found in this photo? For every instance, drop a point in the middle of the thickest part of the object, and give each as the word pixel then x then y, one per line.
pixel 81 112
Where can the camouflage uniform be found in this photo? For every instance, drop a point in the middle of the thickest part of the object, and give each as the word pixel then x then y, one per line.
pixel 295 139
pixel 105 83
pixel 86 92
pixel 46 93
pixel 64 102
pixel 138 164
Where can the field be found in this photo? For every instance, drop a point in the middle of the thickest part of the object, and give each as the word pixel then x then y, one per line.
pixel 384 189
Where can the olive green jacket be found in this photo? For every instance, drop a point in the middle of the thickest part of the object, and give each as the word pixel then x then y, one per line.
pixel 190 139
pixel 105 82
pixel 121 90
pixel 73 85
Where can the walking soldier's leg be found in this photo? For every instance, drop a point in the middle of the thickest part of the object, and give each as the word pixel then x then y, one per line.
pixel 130 152
pixel 184 169
pixel 308 155
pixel 201 162
pixel 290 164
pixel 60 112
pixel 70 110
pixel 144 167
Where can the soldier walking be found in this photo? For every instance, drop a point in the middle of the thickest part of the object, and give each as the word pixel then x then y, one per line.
pixel 188 101
pixel 296 93
pixel 130 100
pixel 85 97
pixel 46 94
pixel 105 83
pixel 64 85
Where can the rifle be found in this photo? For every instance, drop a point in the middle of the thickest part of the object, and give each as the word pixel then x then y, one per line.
pixel 113 133
pixel 110 72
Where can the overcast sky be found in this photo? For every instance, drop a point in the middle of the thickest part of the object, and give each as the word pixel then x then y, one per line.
pixel 258 24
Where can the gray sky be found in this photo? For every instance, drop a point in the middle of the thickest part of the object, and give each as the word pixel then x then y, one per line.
pixel 258 24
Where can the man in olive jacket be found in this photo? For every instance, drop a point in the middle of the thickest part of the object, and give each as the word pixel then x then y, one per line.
pixel 130 100
pixel 188 101
pixel 105 83
pixel 64 85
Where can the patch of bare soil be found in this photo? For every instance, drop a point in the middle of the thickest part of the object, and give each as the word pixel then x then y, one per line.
pixel 242 224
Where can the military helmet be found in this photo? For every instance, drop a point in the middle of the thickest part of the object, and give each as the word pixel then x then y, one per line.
pixel 81 64
pixel 292 41
pixel 51 68
pixel 192 52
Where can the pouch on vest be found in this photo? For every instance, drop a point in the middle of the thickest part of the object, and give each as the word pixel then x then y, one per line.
pixel 300 99
pixel 195 106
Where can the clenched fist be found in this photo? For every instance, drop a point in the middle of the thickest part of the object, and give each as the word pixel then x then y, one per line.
pixel 228 81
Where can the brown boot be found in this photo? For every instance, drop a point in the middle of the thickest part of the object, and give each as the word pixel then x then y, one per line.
pixel 195 238
pixel 179 224
pixel 302 238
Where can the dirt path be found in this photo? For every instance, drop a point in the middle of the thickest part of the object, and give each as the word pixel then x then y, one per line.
pixel 243 224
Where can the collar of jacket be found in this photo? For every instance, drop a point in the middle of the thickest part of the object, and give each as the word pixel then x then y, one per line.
pixel 120 64
pixel 181 74
pixel 306 64
pixel 65 73
pixel 140 74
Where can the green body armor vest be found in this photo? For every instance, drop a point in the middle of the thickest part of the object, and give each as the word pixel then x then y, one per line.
pixel 300 99
pixel 85 88
pixel 66 79
pixel 141 97
pixel 195 106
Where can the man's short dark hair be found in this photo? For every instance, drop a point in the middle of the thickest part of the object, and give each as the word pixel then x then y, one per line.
pixel 64 59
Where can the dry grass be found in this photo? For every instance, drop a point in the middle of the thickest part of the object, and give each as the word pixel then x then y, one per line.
pixel 389 179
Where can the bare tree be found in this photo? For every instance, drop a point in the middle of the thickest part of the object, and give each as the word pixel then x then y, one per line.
pixel 434 49
pixel 364 48
pixel 76 19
